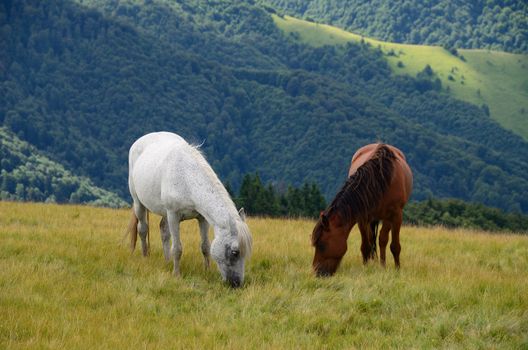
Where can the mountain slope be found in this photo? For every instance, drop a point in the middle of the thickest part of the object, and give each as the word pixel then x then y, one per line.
pixel 27 174
pixel 481 24
pixel 82 82
pixel 496 80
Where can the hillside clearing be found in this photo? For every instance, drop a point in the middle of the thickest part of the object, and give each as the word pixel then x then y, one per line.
pixel 496 79
pixel 68 281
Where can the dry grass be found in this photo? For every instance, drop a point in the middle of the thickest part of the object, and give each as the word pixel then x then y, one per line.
pixel 67 281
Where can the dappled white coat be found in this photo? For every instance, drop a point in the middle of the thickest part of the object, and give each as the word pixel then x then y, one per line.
pixel 171 178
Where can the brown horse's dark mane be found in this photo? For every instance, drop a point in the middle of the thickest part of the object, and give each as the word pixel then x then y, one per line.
pixel 363 190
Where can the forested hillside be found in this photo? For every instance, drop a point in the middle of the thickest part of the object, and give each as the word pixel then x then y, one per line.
pixel 495 80
pixel 481 24
pixel 81 82
pixel 28 175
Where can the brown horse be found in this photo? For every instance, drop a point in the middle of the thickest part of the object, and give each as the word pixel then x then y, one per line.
pixel 378 186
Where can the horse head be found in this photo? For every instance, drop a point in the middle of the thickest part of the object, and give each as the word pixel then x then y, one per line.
pixel 230 248
pixel 329 238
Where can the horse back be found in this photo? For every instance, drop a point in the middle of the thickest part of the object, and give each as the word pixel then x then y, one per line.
pixel 139 146
pixel 400 187
pixel 150 158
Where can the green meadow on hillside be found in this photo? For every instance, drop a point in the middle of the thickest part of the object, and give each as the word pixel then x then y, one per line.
pixel 67 280
pixel 496 79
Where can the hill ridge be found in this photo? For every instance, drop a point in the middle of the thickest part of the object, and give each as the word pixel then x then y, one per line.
pixel 469 75
pixel 490 24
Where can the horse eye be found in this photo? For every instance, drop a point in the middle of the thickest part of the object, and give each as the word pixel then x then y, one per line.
pixel 235 253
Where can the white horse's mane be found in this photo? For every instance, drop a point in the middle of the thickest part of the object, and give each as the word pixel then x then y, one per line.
pixel 242 229
pixel 244 238
pixel 200 158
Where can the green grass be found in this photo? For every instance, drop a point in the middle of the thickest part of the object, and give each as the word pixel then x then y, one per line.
pixel 497 79
pixel 68 281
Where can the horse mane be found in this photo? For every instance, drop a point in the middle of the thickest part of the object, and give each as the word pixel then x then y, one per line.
pixel 363 190
pixel 244 236
pixel 200 158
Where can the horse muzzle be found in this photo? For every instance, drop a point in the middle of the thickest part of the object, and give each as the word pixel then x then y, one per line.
pixel 323 273
pixel 321 270
pixel 234 280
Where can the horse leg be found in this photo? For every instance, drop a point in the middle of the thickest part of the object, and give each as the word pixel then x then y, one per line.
pixel 173 220
pixel 364 229
pixel 204 229
pixel 395 241
pixel 141 214
pixel 383 240
pixel 165 238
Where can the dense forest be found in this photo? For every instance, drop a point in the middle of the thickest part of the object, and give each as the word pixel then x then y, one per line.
pixel 80 82
pixel 28 175
pixel 482 24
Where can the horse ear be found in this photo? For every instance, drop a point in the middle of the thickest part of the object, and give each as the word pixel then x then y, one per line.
pixel 324 220
pixel 242 214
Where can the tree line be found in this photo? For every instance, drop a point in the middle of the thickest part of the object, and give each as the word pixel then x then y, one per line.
pixel 453 213
pixel 307 201
pixel 260 199
pixel 27 175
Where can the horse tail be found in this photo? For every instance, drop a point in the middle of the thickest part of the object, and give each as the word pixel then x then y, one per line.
pixel 373 235
pixel 148 233
pixel 132 230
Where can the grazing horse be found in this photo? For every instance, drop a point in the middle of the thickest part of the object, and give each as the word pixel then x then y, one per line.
pixel 171 178
pixel 378 186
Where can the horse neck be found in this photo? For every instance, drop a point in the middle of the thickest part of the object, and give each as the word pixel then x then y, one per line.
pixel 214 203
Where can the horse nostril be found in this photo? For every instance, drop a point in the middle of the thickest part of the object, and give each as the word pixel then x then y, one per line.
pixel 321 272
pixel 235 282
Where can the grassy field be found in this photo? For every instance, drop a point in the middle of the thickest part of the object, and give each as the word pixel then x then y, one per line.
pixel 497 79
pixel 68 281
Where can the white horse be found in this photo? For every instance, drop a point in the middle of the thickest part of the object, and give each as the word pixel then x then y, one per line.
pixel 171 178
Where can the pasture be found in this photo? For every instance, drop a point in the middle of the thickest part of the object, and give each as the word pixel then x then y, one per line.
pixel 68 281
pixel 497 79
